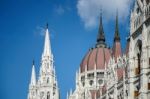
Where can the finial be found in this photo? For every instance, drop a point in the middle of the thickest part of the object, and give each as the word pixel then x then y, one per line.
pixel 117 36
pixel 47 25
pixel 101 35
pixel 33 62
pixel 100 11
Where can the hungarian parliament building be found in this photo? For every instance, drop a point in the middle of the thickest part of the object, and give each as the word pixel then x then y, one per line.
pixel 104 72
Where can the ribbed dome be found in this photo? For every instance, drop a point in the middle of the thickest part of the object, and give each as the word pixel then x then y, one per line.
pixel 95 57
pixel 98 56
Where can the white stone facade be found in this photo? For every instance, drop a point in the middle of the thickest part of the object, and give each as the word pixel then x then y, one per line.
pixel 46 87
pixel 135 82
pixel 105 86
pixel 139 57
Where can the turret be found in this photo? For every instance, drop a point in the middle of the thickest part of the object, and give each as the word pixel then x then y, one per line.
pixel 33 76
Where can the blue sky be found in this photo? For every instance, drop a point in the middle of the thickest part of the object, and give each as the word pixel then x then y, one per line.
pixel 22 40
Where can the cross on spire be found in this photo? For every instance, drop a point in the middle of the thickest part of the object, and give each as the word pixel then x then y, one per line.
pixel 47 26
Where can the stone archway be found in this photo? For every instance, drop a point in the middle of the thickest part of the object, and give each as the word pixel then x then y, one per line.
pixel 138 54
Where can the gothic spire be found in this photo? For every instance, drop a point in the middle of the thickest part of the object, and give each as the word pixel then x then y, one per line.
pixel 47 46
pixel 117 45
pixel 117 35
pixel 101 35
pixel 33 75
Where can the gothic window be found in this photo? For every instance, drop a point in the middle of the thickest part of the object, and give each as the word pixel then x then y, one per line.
pixel 118 97
pixel 91 82
pixel 100 74
pixel 148 86
pixel 147 1
pixel 54 89
pixel 48 95
pixel 48 80
pixel 137 10
pixel 47 65
pixel 91 75
pixel 138 56
pixel 139 62
pixel 141 0
pixel 127 92
pixel 100 81
pixel 83 83
pixel 83 78
pixel 51 63
pixel 121 96
pixel 149 61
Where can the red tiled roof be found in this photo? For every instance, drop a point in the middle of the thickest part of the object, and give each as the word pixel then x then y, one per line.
pixel 117 50
pixel 97 56
pixel 84 61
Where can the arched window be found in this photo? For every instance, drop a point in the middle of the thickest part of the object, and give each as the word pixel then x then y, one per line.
pixel 48 80
pixel 147 1
pixel 48 95
pixel 91 82
pixel 139 62
pixel 139 54
pixel 100 81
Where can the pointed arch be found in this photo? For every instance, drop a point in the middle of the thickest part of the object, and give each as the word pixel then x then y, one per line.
pixel 148 40
pixel 48 80
pixel 138 47
pixel 48 95
pixel 138 54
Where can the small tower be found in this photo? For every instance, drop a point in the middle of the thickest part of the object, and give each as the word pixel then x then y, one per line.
pixel 47 79
pixel 33 76
pixel 32 87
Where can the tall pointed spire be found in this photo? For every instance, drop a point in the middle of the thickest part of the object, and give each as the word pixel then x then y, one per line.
pixel 47 46
pixel 117 35
pixel 101 35
pixel 117 45
pixel 33 76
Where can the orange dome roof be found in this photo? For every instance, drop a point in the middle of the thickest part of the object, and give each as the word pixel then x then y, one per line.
pixel 95 57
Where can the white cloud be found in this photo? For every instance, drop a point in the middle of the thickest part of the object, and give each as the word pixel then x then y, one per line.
pixel 89 10
pixel 40 31
pixel 59 10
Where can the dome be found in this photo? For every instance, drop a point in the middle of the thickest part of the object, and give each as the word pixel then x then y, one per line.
pixel 95 57
pixel 98 56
